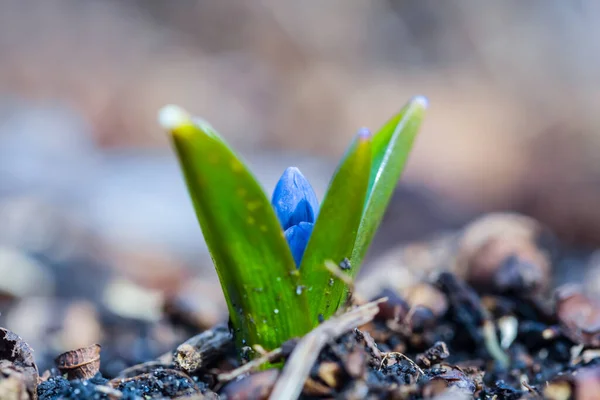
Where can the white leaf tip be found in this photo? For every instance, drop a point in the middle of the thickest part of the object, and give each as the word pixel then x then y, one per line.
pixel 421 100
pixel 171 116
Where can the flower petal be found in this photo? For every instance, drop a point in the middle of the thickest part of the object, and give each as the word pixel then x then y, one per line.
pixel 297 237
pixel 294 199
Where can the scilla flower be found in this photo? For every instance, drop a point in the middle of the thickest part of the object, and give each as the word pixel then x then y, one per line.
pixel 296 207
pixel 267 253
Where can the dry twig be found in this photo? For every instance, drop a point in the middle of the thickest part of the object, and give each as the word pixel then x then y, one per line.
pixel 401 355
pixel 198 351
pixel 296 371
pixel 250 366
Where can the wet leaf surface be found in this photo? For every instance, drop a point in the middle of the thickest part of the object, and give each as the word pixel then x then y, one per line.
pixel 252 258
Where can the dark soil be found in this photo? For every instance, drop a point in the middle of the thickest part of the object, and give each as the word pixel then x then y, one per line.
pixel 493 327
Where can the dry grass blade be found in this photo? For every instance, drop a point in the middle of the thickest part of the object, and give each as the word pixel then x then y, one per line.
pixel 492 344
pixel 108 391
pixel 250 366
pixel 296 370
pixel 386 356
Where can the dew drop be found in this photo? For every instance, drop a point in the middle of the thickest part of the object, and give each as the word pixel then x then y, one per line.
pixel 276 311
pixel 345 265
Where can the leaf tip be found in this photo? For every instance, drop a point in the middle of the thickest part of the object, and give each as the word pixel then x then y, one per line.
pixel 364 134
pixel 171 117
pixel 421 101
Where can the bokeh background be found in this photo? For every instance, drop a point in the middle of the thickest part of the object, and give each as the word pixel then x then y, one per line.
pixel 96 229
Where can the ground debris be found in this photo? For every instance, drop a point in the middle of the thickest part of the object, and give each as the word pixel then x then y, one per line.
pixel 254 386
pixel 579 316
pixel 583 385
pixel 488 330
pixel 446 376
pixel 95 388
pixel 18 372
pixel 501 253
pixel 158 384
pixel 427 304
pixel 302 359
pixel 438 352
pixel 387 358
pixel 199 351
pixel 82 363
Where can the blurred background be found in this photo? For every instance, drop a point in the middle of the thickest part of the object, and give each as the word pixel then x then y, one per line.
pixel 97 236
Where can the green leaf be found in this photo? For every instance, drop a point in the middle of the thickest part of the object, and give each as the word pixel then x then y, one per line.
pixel 336 228
pixel 252 258
pixel 391 147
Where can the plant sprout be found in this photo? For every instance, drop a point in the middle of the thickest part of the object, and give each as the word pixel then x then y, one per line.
pixel 271 256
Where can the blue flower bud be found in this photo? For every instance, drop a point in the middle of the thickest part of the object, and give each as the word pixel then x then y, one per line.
pixel 297 237
pixel 294 199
